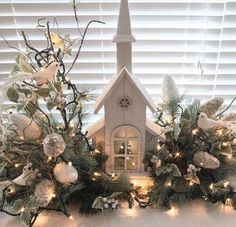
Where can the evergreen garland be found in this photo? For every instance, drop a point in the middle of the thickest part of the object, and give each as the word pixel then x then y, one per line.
pixel 46 104
pixel 192 163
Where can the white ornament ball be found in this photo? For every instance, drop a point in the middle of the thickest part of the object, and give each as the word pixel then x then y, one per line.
pixel 53 145
pixel 113 205
pixel 104 199
pixel 106 206
pixel 64 173
pixel 26 127
pixel 44 192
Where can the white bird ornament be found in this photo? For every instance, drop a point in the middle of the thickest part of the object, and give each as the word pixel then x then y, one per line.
pixel 47 73
pixel 26 178
pixel 206 123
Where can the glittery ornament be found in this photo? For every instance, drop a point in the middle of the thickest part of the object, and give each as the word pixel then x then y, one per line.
pixel 65 173
pixel 205 160
pixel 53 145
pixel 212 106
pixel 44 192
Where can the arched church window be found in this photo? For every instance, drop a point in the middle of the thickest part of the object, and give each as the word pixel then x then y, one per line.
pixel 126 148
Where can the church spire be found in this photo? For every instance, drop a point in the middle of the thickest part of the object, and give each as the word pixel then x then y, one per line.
pixel 124 38
pixel 124 33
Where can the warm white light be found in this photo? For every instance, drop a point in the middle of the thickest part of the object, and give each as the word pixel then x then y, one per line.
pixel 22 209
pixel 121 147
pixel 71 217
pixel 53 195
pixel 17 165
pixel 177 154
pixel 158 146
pixel 97 151
pixel 97 174
pixel 229 156
pixel 225 144
pixel 191 183
pixel 228 202
pixel 220 132
pixel 113 175
pixel 211 186
pixel 49 158
pixel 168 184
pixel 226 184
pixel 195 131
pixel 201 163
pixel 234 141
pixel 173 211
pixel 70 163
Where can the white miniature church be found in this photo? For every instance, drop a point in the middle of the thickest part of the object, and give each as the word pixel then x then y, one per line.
pixel 125 131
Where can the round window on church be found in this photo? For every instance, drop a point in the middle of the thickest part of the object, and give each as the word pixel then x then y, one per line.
pixel 124 102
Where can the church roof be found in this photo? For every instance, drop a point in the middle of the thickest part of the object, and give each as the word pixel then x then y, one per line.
pixel 124 33
pixel 151 127
pixel 115 82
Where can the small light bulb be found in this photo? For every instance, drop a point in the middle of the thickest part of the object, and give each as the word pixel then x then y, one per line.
pixel 177 154
pixel 97 151
pixel 132 194
pixel 17 165
pixel 70 163
pixel 220 132
pixel 229 156
pixel 169 184
pixel 201 164
pixel 191 183
pixel 113 175
pixel 97 174
pixel 228 202
pixel 93 179
pixel 22 209
pixel 49 158
pixel 71 217
pixel 53 195
pixel 225 144
pixel 234 141
pixel 195 131
pixel 211 186
pixel 226 184
pixel 158 146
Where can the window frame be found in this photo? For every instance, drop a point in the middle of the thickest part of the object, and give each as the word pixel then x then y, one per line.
pixel 126 155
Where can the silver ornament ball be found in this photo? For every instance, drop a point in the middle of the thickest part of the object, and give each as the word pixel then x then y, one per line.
pixel 53 145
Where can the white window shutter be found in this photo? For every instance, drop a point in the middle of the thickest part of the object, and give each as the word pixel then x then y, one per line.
pixel 194 41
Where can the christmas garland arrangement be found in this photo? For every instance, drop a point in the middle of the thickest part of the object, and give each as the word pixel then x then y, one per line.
pixel 196 160
pixel 46 161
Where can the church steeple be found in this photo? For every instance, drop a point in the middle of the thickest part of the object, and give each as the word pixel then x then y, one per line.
pixel 124 38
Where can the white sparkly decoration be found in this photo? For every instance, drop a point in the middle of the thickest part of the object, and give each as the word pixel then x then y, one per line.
pixel 64 173
pixel 26 127
pixel 205 160
pixel 53 145
pixel 169 90
pixel 44 192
